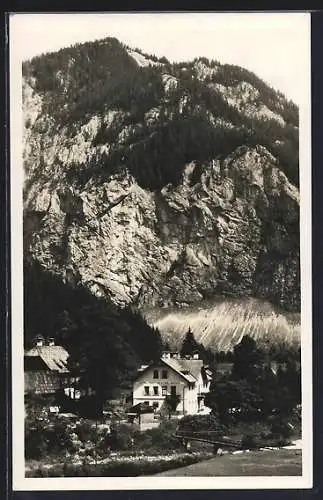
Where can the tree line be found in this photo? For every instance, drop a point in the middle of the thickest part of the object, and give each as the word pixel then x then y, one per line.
pixel 264 382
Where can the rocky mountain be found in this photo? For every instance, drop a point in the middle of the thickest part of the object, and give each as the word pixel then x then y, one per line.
pixel 160 185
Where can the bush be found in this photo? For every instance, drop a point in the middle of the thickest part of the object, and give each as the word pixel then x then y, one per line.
pixel 201 424
pixel 250 442
pixel 35 443
pixel 86 432
pixel 46 437
pixel 58 438
pixel 158 439
pixel 280 431
pixel 121 438
pixel 261 434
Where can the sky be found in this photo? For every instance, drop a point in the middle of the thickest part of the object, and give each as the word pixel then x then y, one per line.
pixel 275 46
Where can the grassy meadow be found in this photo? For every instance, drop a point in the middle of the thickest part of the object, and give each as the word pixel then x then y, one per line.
pixel 255 463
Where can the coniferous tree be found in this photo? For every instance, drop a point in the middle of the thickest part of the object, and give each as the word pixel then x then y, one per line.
pixel 247 359
pixel 166 346
pixel 189 345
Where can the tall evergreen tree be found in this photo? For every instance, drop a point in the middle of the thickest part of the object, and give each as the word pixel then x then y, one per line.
pixel 189 345
pixel 247 359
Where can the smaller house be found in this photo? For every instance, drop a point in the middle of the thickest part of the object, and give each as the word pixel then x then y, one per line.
pixel 144 416
pixel 45 367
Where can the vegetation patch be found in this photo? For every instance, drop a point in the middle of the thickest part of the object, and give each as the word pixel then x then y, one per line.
pixel 130 466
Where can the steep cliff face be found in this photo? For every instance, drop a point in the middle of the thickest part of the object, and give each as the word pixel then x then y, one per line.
pixel 144 204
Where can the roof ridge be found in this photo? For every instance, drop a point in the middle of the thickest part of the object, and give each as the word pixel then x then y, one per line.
pixel 168 362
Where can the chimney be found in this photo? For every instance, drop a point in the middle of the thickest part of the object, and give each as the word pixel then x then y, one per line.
pixel 51 341
pixel 196 356
pixel 39 341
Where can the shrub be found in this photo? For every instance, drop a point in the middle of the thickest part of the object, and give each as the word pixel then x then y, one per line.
pixel 55 471
pixel 261 434
pixel 47 437
pixel 280 431
pixel 121 437
pixel 58 437
pixel 158 439
pixel 86 432
pixel 201 424
pixel 35 443
pixel 250 442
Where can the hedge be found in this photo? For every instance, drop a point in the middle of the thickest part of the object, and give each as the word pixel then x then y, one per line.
pixel 116 467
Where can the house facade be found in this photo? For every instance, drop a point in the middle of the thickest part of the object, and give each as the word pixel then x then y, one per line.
pixel 187 378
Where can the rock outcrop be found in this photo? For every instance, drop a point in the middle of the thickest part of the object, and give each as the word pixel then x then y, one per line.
pixel 229 227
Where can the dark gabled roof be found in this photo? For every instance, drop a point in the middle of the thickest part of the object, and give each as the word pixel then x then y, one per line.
pixel 141 408
pixel 54 356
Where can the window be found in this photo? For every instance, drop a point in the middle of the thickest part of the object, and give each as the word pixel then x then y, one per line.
pixel 146 390
pixel 164 374
pixel 173 390
pixel 164 390
pixel 155 390
pixel 156 375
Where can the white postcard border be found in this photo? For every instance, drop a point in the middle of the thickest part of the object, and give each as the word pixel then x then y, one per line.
pixel 140 483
